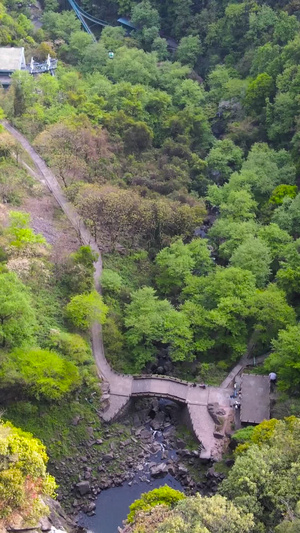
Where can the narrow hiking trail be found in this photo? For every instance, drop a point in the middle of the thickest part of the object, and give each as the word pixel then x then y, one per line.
pixel 118 388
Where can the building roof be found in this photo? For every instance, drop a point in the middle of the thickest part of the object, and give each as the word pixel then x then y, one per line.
pixel 11 59
pixel 255 401
pixel 126 22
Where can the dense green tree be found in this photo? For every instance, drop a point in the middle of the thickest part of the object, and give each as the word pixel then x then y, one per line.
pixel 79 40
pixel 254 255
pixel 269 312
pixel 188 50
pixel 287 215
pixel 264 478
pixel 214 514
pixel 276 240
pixel 17 317
pixel 111 281
pixel 149 322
pixel 227 234
pixel 160 46
pixel 38 373
pixel 24 480
pixel 239 206
pixel 162 496
pixel 85 309
pixel 258 91
pixel 193 514
pixel 20 235
pixel 23 91
pixel 288 276
pixel 177 261
pixel 61 25
pixel 144 15
pixel 281 192
pixel 223 159
pixel 284 359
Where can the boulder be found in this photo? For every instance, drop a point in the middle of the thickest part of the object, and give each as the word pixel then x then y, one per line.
pixel 45 524
pixel 89 507
pixel 218 435
pixel 107 457
pixel 171 469
pixel 159 470
pixel 182 470
pixel 83 487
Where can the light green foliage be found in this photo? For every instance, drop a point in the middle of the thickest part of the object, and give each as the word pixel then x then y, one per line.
pixel 281 192
pixel 217 307
pixel 254 255
pixel 79 40
pixel 17 317
pixel 239 205
pixel 280 118
pixel 146 18
pixel 276 240
pixel 261 434
pixel 265 478
pixel 111 281
pixel 259 175
pixel 61 25
pixel 112 37
pixel 188 50
pixel 228 234
pixel 133 65
pixel 288 275
pixel 223 159
pixel 177 261
pixel 71 345
pixel 75 349
pixel 289 527
pixel 48 87
pixel 160 46
pixel 188 93
pixel 23 477
pixel 39 373
pixel 162 496
pixel 20 235
pixel 150 321
pixel 284 358
pixel 85 309
pixel 207 515
pixel 144 15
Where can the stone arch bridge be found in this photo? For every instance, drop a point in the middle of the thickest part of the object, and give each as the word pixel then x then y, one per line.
pixel 208 408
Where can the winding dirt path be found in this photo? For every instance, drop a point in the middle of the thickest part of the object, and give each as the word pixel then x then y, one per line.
pixel 119 388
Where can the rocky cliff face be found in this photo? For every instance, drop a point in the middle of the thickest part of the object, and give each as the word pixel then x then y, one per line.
pixel 57 521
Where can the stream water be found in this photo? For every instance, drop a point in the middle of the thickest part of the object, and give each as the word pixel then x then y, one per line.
pixel 113 504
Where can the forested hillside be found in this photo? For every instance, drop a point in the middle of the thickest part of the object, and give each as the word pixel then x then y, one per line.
pixel 181 154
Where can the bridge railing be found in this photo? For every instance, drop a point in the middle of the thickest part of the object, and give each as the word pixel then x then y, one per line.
pixel 166 378
pixel 42 67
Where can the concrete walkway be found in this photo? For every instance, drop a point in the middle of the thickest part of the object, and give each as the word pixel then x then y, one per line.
pixel 120 388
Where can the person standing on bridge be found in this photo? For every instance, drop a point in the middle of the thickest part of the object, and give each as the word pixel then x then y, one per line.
pixel 273 380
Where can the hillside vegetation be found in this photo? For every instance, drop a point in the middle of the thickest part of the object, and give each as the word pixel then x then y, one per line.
pixel 181 154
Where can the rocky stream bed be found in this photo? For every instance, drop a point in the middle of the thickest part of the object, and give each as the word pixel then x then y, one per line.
pixel 150 449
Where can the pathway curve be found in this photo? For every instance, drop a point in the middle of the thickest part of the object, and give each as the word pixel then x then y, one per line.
pixel 119 388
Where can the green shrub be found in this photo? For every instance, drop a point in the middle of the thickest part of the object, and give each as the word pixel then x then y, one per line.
pixel 162 496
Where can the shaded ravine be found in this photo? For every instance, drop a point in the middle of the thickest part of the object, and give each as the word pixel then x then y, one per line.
pixel 119 388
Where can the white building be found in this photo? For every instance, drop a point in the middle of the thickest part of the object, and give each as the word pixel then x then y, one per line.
pixel 11 59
